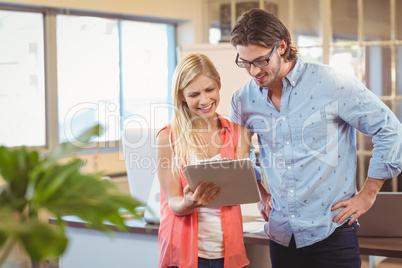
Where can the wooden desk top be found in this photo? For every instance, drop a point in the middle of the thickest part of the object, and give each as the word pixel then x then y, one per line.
pixel 381 246
pixel 377 246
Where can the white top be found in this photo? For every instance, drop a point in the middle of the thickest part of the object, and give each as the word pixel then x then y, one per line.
pixel 210 234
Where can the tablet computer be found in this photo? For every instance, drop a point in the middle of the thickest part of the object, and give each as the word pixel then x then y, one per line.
pixel 236 178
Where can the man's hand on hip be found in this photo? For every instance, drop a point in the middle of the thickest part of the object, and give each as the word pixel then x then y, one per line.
pixel 360 203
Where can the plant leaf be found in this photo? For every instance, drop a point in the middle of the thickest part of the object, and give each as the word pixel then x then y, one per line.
pixel 53 182
pixel 7 163
pixel 42 241
pixel 22 162
pixel 36 183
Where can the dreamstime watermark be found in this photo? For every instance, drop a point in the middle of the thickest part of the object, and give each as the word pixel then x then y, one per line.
pixel 139 131
pixel 145 126
pixel 138 161
pixel 329 154
pixel 322 145
pixel 108 115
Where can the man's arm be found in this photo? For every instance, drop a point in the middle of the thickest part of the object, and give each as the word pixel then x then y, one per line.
pixel 369 115
pixel 265 205
pixel 360 203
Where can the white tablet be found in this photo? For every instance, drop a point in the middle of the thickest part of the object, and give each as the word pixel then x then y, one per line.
pixel 236 177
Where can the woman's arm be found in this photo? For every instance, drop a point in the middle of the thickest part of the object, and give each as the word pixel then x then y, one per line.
pixel 181 201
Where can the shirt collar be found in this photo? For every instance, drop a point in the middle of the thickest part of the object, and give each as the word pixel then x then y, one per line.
pixel 294 74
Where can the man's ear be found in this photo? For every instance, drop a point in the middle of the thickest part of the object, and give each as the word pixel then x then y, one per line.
pixel 283 45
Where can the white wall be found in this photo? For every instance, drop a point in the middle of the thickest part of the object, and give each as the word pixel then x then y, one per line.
pixel 188 12
pixel 232 77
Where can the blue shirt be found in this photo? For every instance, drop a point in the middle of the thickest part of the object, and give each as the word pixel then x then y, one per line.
pixel 308 148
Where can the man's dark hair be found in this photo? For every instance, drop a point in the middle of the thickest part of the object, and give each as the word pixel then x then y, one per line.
pixel 260 27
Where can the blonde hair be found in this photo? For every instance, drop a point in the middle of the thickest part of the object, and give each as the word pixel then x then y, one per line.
pixel 186 141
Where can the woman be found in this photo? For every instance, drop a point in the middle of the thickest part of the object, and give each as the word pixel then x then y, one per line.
pixel 190 234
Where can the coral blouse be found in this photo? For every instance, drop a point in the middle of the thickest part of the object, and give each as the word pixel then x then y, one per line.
pixel 178 235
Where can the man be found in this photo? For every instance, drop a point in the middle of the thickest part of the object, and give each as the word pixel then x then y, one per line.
pixel 305 116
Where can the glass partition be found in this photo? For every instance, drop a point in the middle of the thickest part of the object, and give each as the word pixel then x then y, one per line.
pixel 22 79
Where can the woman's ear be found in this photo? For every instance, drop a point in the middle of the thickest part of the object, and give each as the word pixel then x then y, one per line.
pixel 181 97
pixel 219 83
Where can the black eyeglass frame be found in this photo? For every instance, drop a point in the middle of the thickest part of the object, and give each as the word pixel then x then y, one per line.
pixel 241 63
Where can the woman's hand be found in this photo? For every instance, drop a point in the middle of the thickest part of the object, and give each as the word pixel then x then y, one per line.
pixel 203 195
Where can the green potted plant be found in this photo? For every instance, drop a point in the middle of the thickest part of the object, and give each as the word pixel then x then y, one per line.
pixel 35 183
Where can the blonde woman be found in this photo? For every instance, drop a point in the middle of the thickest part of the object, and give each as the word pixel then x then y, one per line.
pixel 190 234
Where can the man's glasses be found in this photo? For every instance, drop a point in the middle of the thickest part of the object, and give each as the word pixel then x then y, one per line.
pixel 256 63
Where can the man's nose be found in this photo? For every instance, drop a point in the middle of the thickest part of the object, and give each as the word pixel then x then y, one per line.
pixel 253 70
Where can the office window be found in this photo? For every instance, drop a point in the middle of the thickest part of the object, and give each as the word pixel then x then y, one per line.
pixel 344 20
pixel 378 70
pixel 306 33
pixel 376 20
pixel 88 75
pixel 111 71
pixel 308 49
pixel 219 21
pixel 97 68
pixel 221 15
pixel 398 22
pixel 374 56
pixel 22 87
pixel 399 71
pixel 145 74
pixel 346 59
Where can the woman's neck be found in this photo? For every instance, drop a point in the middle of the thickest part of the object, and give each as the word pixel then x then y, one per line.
pixel 210 124
pixel 209 132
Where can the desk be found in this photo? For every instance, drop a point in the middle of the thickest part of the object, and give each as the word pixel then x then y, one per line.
pixel 140 245
pixel 377 246
pixel 386 247
pixel 92 248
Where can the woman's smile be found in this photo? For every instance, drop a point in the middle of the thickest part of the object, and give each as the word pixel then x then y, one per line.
pixel 207 109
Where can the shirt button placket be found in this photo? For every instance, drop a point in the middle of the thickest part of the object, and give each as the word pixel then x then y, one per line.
pixel 288 154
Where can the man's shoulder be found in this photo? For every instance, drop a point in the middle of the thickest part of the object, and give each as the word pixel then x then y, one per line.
pixel 327 73
pixel 325 69
pixel 247 89
pixel 320 67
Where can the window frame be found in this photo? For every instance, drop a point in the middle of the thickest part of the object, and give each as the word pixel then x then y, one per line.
pixel 50 66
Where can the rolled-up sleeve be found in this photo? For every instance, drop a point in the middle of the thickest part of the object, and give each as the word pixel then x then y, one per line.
pixel 363 110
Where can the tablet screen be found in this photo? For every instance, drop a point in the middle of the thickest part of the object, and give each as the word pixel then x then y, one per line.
pixel 236 178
